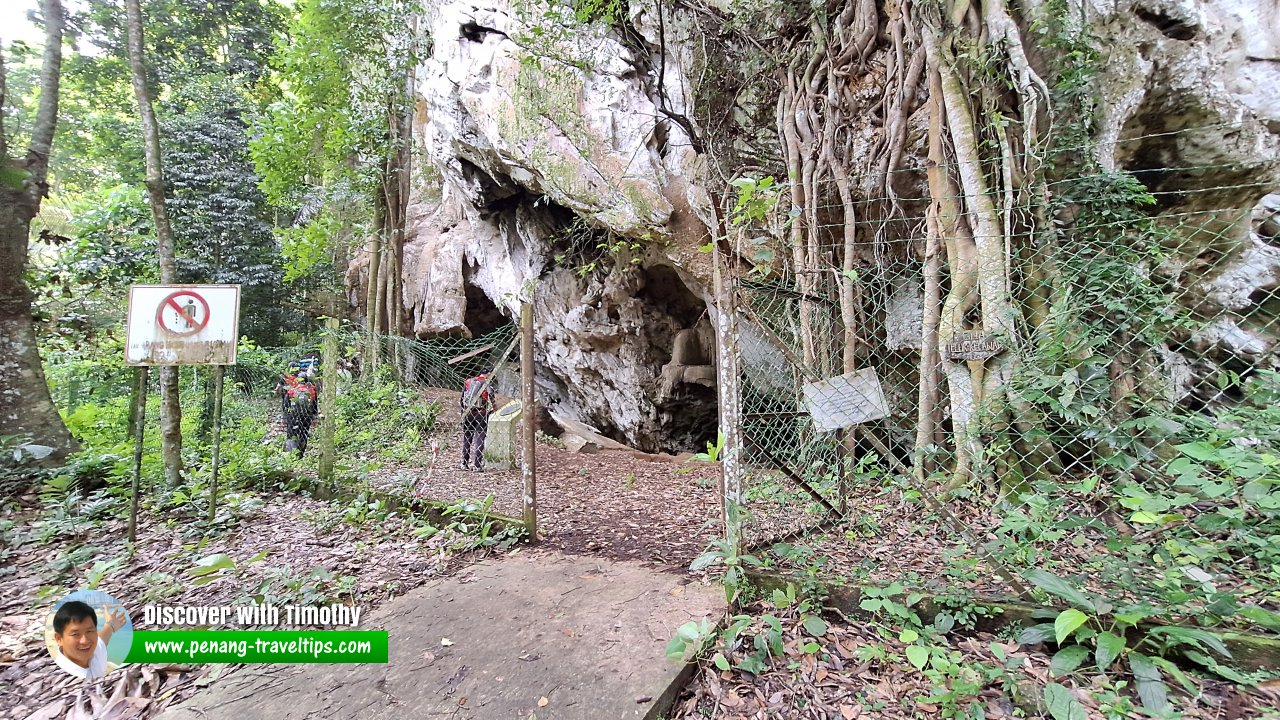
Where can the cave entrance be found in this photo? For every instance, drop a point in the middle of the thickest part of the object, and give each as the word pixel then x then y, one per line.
pixel 482 316
pixel 686 398
pixel 666 292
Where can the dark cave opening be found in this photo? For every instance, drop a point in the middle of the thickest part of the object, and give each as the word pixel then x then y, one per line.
pixel 665 291
pixel 482 316
pixel 690 419
pixel 686 401
pixel 1171 27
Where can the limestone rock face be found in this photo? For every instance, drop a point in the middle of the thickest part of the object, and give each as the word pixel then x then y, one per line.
pixel 503 119
pixel 530 130
pixel 574 176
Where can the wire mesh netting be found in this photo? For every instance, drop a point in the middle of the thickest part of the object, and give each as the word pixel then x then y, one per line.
pixel 1090 391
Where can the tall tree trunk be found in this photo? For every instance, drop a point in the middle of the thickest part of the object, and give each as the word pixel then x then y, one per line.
pixel 962 264
pixel 170 405
pixel 372 298
pixel 26 408
pixel 930 357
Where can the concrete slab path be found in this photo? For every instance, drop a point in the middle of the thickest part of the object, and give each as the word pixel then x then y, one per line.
pixel 491 643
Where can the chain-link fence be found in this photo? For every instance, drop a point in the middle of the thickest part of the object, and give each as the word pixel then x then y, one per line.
pixel 1090 390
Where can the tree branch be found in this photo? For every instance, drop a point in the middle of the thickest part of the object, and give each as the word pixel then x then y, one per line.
pixel 47 112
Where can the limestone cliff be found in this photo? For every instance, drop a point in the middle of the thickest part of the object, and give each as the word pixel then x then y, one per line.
pixel 580 166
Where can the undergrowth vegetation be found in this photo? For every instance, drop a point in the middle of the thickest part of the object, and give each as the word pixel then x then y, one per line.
pixel 73 507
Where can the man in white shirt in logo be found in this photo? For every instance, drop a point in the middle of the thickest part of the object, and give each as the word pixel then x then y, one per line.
pixel 82 648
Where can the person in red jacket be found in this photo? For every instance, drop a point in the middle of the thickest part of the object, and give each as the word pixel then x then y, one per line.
pixel 477 403
pixel 300 413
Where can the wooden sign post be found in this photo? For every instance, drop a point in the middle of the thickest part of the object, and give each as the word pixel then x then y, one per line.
pixel 180 325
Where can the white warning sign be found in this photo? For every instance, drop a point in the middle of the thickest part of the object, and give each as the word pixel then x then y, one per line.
pixel 183 325
pixel 846 400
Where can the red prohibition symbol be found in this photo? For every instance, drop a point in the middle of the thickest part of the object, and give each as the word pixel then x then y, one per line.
pixel 183 313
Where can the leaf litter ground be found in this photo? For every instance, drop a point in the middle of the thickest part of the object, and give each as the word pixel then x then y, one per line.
pixel 859 670
pixel 622 505
pixel 312 557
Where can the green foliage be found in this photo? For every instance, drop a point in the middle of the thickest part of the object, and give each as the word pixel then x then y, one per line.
pixel 610 12
pixel 160 587
pixel 113 244
pixel 220 567
pixel 221 222
pixel 690 640
pixel 893 603
pixel 19 464
pixel 563 33
pixel 60 501
pixel 476 529
pixel 757 200
pixel 319 586
pixel 713 449
pixel 92 247
pixel 101 570
pixel 762 18
pixel 1113 299
pixel 308 248
pixel 384 414
pixel 1061 704
pixel 1120 637
pixel 365 510
pixel 210 67
pixel 1204 507
pixel 722 553
pixel 322 149
pixel 585 249
pixel 812 587
pixel 196 38
pixel 1115 247
pixel 752 641
pixel 1077 59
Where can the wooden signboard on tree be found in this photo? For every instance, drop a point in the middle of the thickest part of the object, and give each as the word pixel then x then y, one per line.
pixel 973 346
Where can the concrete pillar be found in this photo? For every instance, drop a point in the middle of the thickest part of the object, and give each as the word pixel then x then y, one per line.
pixel 500 438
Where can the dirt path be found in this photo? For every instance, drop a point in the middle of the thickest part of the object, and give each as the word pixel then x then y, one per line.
pixel 618 505
pixel 531 635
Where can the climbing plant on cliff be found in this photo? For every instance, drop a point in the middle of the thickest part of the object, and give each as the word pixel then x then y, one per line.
pixel 1010 162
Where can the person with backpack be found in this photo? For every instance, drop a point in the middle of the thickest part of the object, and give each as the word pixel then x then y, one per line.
pixel 284 381
pixel 477 404
pixel 300 413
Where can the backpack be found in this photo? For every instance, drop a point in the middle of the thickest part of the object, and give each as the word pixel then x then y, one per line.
pixel 475 395
pixel 301 394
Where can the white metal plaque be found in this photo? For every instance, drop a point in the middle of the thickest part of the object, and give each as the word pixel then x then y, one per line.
pixel 846 400
pixel 182 325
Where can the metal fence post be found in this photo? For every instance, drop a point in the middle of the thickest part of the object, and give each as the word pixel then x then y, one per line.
pixel 219 376
pixel 139 433
pixel 528 412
